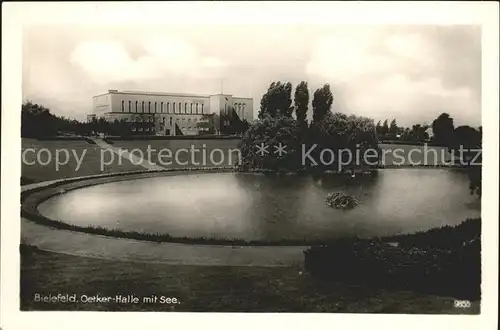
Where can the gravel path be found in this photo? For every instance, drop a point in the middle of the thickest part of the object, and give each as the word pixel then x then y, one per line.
pixel 135 160
pixel 103 247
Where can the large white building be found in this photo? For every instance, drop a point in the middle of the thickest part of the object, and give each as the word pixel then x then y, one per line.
pixel 168 110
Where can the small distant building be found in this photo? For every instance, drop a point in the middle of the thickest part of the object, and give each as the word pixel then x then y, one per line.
pixel 171 113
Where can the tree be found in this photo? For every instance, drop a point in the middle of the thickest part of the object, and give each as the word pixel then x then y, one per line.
pixel 418 133
pixel 385 128
pixel 37 121
pixel 442 128
pixel 277 100
pixel 322 103
pixel 468 139
pixel 393 129
pixel 471 142
pixel 337 132
pixel 406 134
pixel 301 101
pixel 378 128
pixel 270 132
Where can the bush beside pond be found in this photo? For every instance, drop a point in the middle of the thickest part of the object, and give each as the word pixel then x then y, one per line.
pixel 444 261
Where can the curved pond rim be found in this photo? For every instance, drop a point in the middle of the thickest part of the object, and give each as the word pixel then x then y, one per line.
pixel 31 198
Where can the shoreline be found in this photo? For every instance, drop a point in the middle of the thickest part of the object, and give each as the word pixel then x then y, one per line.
pixel 31 198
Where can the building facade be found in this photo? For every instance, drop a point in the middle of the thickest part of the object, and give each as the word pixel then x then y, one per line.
pixel 171 113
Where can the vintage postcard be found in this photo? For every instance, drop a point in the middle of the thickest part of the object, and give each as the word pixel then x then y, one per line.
pixel 307 159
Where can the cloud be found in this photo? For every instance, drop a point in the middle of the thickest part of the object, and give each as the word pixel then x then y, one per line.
pixel 382 73
pixel 411 73
pixel 109 61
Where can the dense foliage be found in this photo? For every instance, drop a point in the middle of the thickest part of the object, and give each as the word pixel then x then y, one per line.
pixel 444 261
pixel 38 122
pixel 276 125
pixel 322 103
pixel 415 134
pixel 277 101
pixel 271 132
pixel 465 143
pixel 337 131
pixel 442 128
pixel 301 103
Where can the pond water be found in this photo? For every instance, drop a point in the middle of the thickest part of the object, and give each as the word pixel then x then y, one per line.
pixel 259 207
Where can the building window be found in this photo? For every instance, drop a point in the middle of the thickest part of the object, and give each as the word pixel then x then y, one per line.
pixel 168 107
pixel 149 107
pixel 191 108
pixel 129 106
pixel 136 105
pixel 185 108
pixel 180 108
pixel 170 121
pixel 142 108
pixel 161 107
pixel 123 106
pixel 155 107
pixel 202 108
pixel 196 108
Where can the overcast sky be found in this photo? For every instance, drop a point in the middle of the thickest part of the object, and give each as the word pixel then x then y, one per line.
pixel 408 73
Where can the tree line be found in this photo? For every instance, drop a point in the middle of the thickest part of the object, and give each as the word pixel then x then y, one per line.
pixel 393 132
pixel 277 124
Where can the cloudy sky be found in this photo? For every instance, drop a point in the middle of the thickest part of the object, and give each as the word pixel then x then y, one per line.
pixel 411 73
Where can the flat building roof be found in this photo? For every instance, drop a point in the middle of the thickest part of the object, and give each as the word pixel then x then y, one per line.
pixel 129 92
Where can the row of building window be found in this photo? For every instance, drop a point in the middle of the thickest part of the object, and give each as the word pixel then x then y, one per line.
pixel 151 120
pixel 164 107
pixel 147 129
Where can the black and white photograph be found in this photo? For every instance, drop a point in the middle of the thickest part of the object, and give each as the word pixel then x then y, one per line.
pixel 185 162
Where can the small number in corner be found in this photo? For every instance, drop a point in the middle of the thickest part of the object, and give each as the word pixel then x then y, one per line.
pixel 462 304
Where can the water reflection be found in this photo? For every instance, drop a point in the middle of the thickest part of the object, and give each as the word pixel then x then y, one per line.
pixel 255 206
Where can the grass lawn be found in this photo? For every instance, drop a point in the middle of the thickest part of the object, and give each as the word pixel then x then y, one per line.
pixel 183 156
pixel 90 164
pixel 209 289
pixel 251 289
pixel 394 154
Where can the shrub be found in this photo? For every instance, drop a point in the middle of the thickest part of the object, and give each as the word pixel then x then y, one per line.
pixel 444 261
pixel 340 200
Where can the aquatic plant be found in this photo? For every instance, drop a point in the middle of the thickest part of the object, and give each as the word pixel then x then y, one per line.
pixel 340 200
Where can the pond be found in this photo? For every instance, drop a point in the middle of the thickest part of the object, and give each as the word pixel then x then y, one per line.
pixel 271 208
